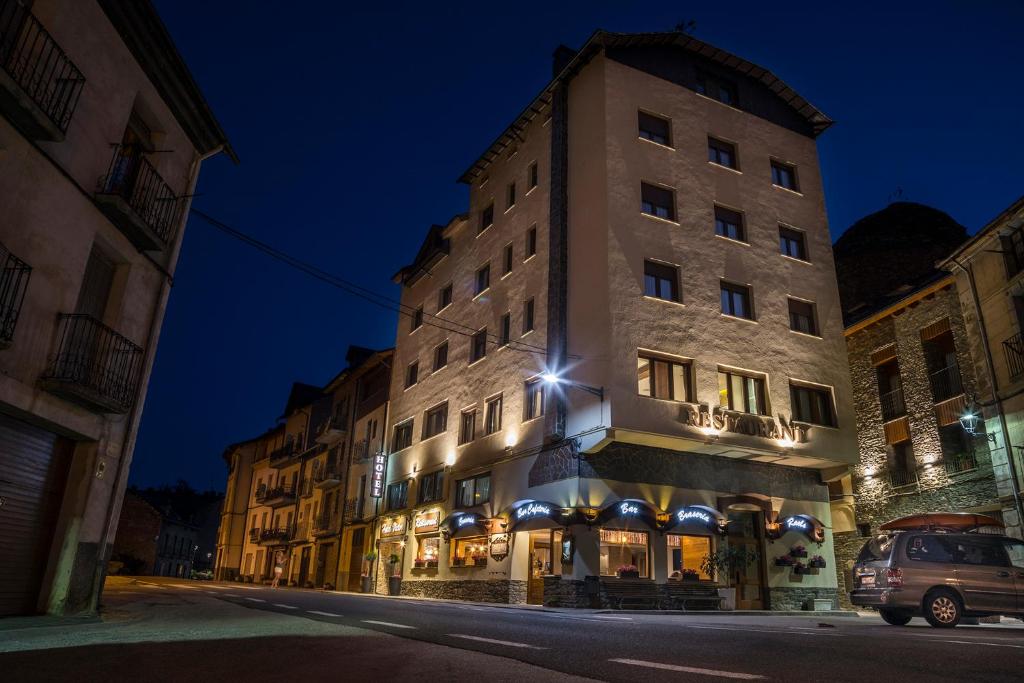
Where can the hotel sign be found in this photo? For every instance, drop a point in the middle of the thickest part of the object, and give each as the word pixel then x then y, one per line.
pixel 377 476
pixel 703 417
pixel 392 526
pixel 426 521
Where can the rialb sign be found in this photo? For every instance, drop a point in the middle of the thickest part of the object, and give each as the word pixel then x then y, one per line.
pixel 377 477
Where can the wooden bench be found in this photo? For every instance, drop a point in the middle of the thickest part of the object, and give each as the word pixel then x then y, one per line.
pixel 632 593
pixel 683 595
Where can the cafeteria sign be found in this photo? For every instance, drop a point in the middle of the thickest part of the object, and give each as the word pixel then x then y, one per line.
pixel 380 468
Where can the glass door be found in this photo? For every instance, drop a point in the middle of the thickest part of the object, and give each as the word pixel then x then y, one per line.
pixel 746 533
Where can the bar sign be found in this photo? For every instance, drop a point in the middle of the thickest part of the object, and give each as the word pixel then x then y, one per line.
pixel 380 468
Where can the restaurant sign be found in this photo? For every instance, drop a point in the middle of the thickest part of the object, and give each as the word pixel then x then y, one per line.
pixel 530 510
pixel 700 515
pixel 499 547
pixel 392 526
pixel 717 419
pixel 807 525
pixel 380 469
pixel 426 521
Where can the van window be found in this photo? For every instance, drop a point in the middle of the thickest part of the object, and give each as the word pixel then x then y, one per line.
pixel 877 549
pixel 981 551
pixel 1015 549
pixel 929 549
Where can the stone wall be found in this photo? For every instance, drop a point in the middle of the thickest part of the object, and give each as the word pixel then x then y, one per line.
pixel 494 590
pixel 847 547
pixel 797 598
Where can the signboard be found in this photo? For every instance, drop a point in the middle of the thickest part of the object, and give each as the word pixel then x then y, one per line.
pixel 703 417
pixel 700 515
pixel 801 524
pixel 392 526
pixel 499 547
pixel 377 476
pixel 568 549
pixel 426 521
pixel 535 511
pixel 629 509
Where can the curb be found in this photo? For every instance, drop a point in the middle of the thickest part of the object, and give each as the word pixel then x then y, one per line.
pixel 738 613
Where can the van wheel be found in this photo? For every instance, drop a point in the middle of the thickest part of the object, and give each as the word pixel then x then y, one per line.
pixel 894 618
pixel 942 609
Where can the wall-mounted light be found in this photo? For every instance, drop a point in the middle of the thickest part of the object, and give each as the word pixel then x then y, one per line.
pixel 510 438
pixel 786 442
pixel 449 460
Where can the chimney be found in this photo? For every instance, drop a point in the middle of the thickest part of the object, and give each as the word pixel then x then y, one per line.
pixel 562 55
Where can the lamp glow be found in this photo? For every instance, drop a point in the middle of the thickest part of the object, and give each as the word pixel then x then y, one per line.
pixel 550 378
pixel 510 439
pixel 449 459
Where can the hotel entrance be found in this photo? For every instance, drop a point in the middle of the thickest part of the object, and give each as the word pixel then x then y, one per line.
pixel 543 562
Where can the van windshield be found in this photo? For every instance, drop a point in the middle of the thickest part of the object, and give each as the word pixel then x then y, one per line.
pixel 877 549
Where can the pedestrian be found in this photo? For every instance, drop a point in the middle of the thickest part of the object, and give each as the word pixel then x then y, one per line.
pixel 278 568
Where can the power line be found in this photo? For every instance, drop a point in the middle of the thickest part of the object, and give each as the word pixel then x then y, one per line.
pixel 369 295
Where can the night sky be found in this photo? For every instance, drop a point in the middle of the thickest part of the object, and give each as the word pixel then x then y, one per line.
pixel 353 120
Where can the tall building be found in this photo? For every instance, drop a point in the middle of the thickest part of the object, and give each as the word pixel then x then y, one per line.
pixel 102 134
pixel 627 356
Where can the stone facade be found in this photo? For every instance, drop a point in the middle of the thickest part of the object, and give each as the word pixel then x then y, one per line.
pixel 790 598
pixel 493 590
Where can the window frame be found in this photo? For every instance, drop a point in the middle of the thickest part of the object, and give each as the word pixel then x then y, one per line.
pixel 489 428
pixel 761 391
pixel 735 288
pixel 671 209
pixel 666 140
pixel 815 330
pixel 802 235
pixel 437 353
pixel 483 273
pixel 486 218
pixel 689 388
pixel 508 259
pixel 429 414
pixel 446 292
pixel 432 493
pixel 533 177
pixel 822 392
pixel 740 225
pixel 463 414
pixel 717 147
pixel 529 316
pixel 479 338
pixel 505 330
pixel 510 196
pixel 534 399
pixel 778 166
pixel 673 281
pixel 400 427
pixel 403 486
pixel 416 319
pixel 412 374
pixel 460 484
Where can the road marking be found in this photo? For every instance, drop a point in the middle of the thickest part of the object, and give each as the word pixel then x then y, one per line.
pixel 278 604
pixel 978 642
pixel 604 616
pixel 211 592
pixel 386 623
pixel 322 614
pixel 689 669
pixel 255 600
pixel 507 643
pixel 763 630
pixel 230 595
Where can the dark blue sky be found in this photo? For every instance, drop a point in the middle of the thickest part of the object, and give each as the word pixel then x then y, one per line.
pixel 353 120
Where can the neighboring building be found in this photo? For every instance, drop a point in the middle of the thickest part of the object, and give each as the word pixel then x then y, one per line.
pixel 650 231
pixel 989 271
pixel 239 459
pixel 102 134
pixel 912 374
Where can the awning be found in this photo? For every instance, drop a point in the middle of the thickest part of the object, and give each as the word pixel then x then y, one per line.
pixel 808 525
pixel 951 521
pixel 529 515
pixel 460 524
pixel 700 516
pixel 628 510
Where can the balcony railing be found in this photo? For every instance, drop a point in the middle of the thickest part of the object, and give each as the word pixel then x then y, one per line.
pixel 892 404
pixel 276 496
pixel 325 525
pixel 13 285
pixel 254 535
pixel 361 450
pixel 280 457
pixel 40 86
pixel 278 535
pixel 946 383
pixel 1014 350
pixel 960 462
pixel 326 476
pixel 94 365
pixel 899 478
pixel 332 430
pixel 137 200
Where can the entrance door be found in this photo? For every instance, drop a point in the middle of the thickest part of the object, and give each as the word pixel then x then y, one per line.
pixel 304 567
pixel 746 530
pixel 33 470
pixel 355 559
pixel 321 565
pixel 540 566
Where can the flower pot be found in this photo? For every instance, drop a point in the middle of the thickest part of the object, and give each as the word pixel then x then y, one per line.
pixel 366 584
pixel 629 575
pixel 729 603
pixel 779 562
pixel 817 564
pixel 394 585
pixel 798 553
pixel 480 562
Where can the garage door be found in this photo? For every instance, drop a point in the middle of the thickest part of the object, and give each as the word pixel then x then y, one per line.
pixel 33 471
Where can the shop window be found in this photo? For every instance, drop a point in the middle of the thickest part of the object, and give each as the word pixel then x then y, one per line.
pixel 742 393
pixel 469 552
pixel 665 379
pixel 427 551
pixel 622 549
pixel 685 555
pixel 473 491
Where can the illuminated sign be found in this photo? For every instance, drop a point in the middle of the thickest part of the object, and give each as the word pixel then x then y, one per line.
pixel 797 523
pixel 699 514
pixel 629 509
pixel 392 526
pixel 380 469
pixel 465 520
pixel 803 524
pixel 499 547
pixel 717 420
pixel 533 510
pixel 426 521
pixel 686 515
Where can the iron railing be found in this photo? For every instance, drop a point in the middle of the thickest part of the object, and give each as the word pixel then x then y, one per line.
pixel 946 383
pixel 892 404
pixel 325 524
pixel 361 450
pixel 34 60
pixel 285 492
pixel 254 535
pixel 13 285
pixel 960 462
pixel 285 451
pixel 899 478
pixel 1014 350
pixel 131 177
pixel 280 535
pixel 93 357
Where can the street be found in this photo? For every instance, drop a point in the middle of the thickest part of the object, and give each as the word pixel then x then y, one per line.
pixel 233 630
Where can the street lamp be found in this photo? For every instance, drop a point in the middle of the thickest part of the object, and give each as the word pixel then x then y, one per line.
pixel 970 421
pixel 551 378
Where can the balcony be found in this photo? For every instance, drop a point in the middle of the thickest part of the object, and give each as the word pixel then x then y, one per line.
pixel 306 487
pixel 332 431
pixel 960 462
pixel 325 525
pixel 39 85
pixel 285 455
pixel 301 533
pixel 946 383
pixel 275 536
pixel 361 451
pixel 276 497
pixel 1014 350
pixel 13 285
pixel 355 510
pixel 892 404
pixel 899 478
pixel 94 366
pixel 327 476
pixel 137 200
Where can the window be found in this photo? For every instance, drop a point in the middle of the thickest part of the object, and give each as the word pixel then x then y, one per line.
pixel 1015 549
pixel 431 487
pixel 435 421
pixel 736 301
pixel 1012 246
pixel 729 223
pixel 492 415
pixel 444 297
pixel 890 390
pixel 981 550
pixel 686 554
pixel 533 175
pixel 717 88
pixel 657 201
pixel 412 374
pixel 802 317
pixel 655 128
pixel 470 551
pixel 791 243
pixel 930 549
pixel 403 436
pixel 417 319
pixel 478 346
pixel 784 175
pixel 812 405
pixel 398 495
pixel 440 355
pixel 624 549
pixel 722 153
pixel 505 330
pixel 486 218
pixel 427 552
pixel 467 426
pixel 507 260
pixel 661 281
pixel 474 491
pixel 660 378
pixel 510 196
pixel 528 316
pixel 531 241
pixel 533 399
pixel 483 279
pixel 742 393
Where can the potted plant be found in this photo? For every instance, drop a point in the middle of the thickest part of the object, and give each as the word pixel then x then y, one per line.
pixel 395 580
pixel 800 569
pixel 690 575
pixel 785 561
pixel 728 561
pixel 365 580
pixel 628 571
pixel 430 563
pixel 798 551
pixel 458 561
pixel 480 561
pixel 818 562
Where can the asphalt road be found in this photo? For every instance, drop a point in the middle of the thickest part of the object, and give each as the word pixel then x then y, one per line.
pixel 653 647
